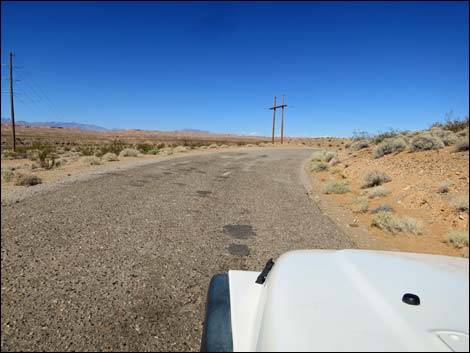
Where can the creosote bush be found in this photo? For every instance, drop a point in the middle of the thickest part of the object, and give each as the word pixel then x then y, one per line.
pixel 425 142
pixel 375 178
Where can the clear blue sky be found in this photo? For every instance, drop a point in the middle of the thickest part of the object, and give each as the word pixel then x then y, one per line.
pixel 217 66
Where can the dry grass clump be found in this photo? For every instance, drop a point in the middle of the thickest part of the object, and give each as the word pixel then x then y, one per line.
pixel 166 151
pixel 360 204
pixel 181 149
pixel 110 157
pixel 457 238
pixel 91 160
pixel 129 152
pixel 462 144
pixel 444 187
pixel 461 204
pixel 375 178
pixel 318 166
pixel 383 208
pixel 213 145
pixel 377 192
pixel 7 174
pixel 323 156
pixel 425 142
pixel 335 187
pixel 27 180
pixel 393 224
pixel 389 145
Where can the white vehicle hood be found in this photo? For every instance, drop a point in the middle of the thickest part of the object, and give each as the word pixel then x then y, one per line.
pixel 351 300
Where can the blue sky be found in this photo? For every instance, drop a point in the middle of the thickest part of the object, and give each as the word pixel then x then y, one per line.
pixel 216 66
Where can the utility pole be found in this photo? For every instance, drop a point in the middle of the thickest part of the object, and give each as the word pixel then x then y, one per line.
pixel 274 119
pixel 282 121
pixel 274 107
pixel 11 102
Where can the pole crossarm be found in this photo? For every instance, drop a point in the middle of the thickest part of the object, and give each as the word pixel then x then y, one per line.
pixel 278 106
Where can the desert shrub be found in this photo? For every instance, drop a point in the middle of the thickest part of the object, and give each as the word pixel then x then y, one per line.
pixel 153 151
pixel 129 152
pixel 446 136
pixel 27 180
pixel 60 162
pixel 334 161
pixel 393 224
pixel 377 192
pixel 458 239
pixel 224 146
pixel 444 187
pixel 335 187
pixel 461 204
pixel 383 208
pixel 91 160
pixel 323 156
pixel 86 150
pixel 360 135
pixel 318 167
pixel 360 204
pixel 110 157
pixel 453 124
pixel 213 145
pixel 375 178
pixel 166 151
pixel 358 145
pixel 391 133
pixel 462 145
pixel 7 175
pixel 144 147
pixel 389 145
pixel 425 142
pixel 181 149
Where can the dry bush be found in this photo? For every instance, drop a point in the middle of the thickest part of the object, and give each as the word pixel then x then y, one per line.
pixel 446 136
pixel 389 145
pixel 318 167
pixel 425 142
pixel 457 238
pixel 250 145
pixel 7 174
pixel 166 151
pixel 444 187
pixel 375 178
pixel 181 149
pixel 27 180
pixel 377 192
pixel 461 204
pixel 383 208
pixel 393 224
pixel 335 187
pixel 110 157
pixel 323 156
pixel 91 160
pixel 144 147
pixel 360 204
pixel 359 145
pixel 224 146
pixel 334 161
pixel 462 144
pixel 129 152
pixel 213 145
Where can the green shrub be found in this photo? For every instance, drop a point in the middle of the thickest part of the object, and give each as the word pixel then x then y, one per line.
pixel 425 142
pixel 389 145
pixel 375 178
pixel 116 146
pixel 7 175
pixel 144 147
pixel 390 223
pixel 86 150
pixel 335 187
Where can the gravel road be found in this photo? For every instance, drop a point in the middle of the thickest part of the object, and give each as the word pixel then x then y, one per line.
pixel 123 261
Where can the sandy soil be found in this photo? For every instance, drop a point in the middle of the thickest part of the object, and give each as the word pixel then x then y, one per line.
pixel 416 178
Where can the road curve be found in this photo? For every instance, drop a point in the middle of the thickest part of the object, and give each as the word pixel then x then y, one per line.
pixel 123 261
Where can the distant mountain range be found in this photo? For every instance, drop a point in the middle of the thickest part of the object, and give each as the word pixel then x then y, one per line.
pixel 88 127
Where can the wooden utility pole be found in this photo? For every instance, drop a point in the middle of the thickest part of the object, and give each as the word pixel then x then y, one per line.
pixel 274 119
pixel 11 102
pixel 274 107
pixel 282 121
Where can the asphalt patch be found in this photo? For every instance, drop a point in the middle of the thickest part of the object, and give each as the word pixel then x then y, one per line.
pixel 239 231
pixel 239 250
